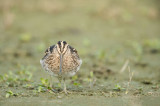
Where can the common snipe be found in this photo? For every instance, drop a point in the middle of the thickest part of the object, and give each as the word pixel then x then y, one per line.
pixel 61 60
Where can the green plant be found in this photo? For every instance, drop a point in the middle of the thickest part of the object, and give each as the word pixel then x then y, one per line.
pixel 12 79
pixel 24 74
pixel 10 93
pixel 41 89
pixel 75 82
pixel 118 88
pixel 152 43
pixel 27 86
pixel 1 78
pixel 90 79
pixel 44 82
pixel 43 86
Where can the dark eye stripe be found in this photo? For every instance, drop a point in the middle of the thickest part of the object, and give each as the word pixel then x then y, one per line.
pixel 64 43
pixel 46 50
pixel 51 48
pixel 59 44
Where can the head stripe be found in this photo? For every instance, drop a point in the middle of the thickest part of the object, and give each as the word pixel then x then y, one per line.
pixel 62 46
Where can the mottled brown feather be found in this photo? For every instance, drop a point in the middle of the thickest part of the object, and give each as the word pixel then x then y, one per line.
pixel 70 63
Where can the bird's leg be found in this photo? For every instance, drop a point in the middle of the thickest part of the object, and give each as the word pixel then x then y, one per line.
pixel 60 78
pixel 50 85
pixel 64 87
pixel 50 81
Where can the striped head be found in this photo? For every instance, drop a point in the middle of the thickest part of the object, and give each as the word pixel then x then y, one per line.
pixel 62 47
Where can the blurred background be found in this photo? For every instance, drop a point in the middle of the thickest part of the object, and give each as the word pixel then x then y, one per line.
pixel 106 33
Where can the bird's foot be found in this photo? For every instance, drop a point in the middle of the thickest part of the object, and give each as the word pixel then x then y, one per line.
pixel 66 92
pixel 50 89
pixel 54 90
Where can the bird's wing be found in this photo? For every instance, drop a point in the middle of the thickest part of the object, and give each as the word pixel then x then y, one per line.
pixel 71 60
pixel 48 51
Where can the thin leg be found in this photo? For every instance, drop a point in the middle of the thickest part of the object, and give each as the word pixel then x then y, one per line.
pixel 65 88
pixel 64 84
pixel 51 81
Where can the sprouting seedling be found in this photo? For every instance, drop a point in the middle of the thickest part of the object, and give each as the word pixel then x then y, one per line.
pixel 91 74
pixel 74 78
pixel 27 86
pixel 1 78
pixel 29 75
pixel 44 82
pixel 43 86
pixel 40 88
pixel 118 87
pixel 10 93
pixel 75 82
pixel 24 75
pixel 92 80
pixel 10 77
pixel 153 43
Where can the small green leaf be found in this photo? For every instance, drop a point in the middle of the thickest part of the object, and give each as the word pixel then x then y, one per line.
pixel 39 88
pixel 10 92
pixel 74 77
pixel 76 83
pixel 7 95
pixel 91 74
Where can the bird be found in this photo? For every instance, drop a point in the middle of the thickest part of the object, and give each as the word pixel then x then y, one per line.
pixel 62 61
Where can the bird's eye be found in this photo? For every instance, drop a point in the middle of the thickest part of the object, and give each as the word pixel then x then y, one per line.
pixel 59 42
pixel 64 42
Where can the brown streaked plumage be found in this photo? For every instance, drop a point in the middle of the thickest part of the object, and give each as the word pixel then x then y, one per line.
pixel 61 60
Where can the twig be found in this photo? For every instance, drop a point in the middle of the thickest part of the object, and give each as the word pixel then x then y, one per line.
pixel 130 79
pixel 124 66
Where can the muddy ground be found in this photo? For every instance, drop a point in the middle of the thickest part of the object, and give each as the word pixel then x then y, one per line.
pixel 118 41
